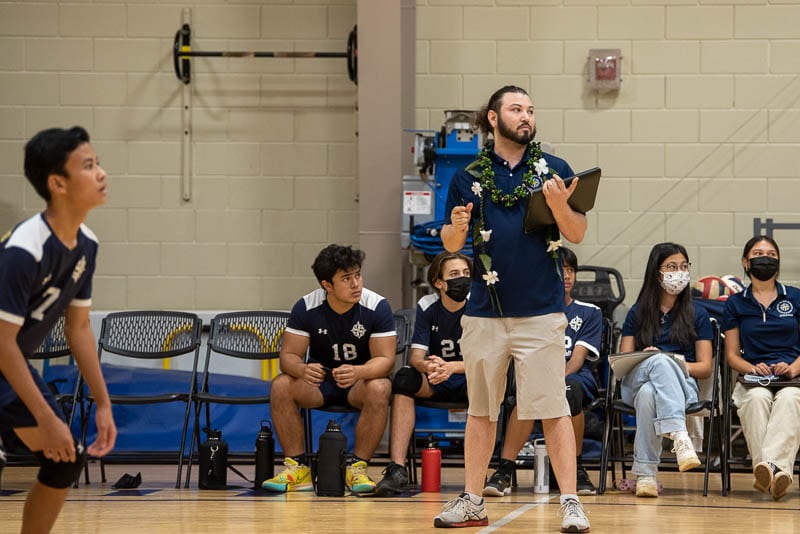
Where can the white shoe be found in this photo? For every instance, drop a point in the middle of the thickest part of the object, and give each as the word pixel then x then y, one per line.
pixel 646 487
pixel 684 453
pixel 573 517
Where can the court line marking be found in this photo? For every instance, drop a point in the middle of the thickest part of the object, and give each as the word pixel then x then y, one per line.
pixel 511 516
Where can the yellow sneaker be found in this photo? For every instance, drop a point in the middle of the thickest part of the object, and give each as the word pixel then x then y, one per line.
pixel 357 479
pixel 296 477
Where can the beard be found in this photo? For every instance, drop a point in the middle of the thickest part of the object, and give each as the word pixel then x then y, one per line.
pixel 518 136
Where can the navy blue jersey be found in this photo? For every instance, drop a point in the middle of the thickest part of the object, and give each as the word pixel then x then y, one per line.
pixel 584 328
pixel 770 335
pixel 437 330
pixel 40 277
pixel 529 280
pixel 702 327
pixel 336 339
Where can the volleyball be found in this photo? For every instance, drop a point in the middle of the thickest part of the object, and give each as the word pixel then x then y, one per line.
pixel 733 283
pixel 711 288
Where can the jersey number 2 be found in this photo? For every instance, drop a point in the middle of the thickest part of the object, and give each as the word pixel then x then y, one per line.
pixel 50 296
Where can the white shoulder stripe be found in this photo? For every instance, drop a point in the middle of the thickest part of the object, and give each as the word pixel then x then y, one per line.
pixel 30 236
pixel 315 299
pixel 11 318
pixel 88 232
pixel 419 346
pixel 370 299
pixel 585 304
pixel 428 300
pixel 81 303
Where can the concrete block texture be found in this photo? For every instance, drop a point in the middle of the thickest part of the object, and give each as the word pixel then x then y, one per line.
pixel 701 138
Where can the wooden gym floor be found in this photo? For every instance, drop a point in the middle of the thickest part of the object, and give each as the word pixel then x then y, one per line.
pixel 156 507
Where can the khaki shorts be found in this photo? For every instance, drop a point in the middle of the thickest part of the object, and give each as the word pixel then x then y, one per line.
pixel 537 346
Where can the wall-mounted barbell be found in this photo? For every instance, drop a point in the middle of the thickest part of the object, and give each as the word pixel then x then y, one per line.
pixel 182 53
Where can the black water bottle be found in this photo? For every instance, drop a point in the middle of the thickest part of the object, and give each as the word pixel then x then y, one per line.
pixel 213 461
pixel 330 467
pixel 265 454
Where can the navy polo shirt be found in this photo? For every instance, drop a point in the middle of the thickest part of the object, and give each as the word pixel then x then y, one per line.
pixel 529 281
pixel 702 327
pixel 770 335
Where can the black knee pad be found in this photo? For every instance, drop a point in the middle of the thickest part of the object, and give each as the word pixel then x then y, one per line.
pixel 574 397
pixel 407 381
pixel 60 475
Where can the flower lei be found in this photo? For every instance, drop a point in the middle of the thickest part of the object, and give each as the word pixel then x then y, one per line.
pixel 535 175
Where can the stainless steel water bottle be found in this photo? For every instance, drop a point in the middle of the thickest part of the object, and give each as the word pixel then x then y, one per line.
pixel 330 468
pixel 265 454
pixel 541 467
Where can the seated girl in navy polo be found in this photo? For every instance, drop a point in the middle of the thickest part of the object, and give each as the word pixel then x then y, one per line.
pixel 664 319
pixel 762 337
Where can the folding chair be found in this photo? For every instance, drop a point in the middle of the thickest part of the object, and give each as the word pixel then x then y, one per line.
pixel 247 335
pixel 708 406
pixel 601 286
pixel 150 335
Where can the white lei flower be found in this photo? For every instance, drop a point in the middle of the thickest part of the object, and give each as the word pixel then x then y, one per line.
pixel 541 167
pixel 477 189
pixel 491 278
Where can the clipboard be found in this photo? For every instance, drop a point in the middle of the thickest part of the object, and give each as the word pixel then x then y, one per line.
pixel 622 363
pixel 538 214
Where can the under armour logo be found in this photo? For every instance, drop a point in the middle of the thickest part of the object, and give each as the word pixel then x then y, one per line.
pixel 575 323
pixel 322 331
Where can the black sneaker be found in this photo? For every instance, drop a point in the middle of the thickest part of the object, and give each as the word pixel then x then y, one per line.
pixel 499 485
pixel 585 486
pixel 394 481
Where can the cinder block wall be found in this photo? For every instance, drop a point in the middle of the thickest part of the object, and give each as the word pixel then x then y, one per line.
pixel 274 153
pixel 703 137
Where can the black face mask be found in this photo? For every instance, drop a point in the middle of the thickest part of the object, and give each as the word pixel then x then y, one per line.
pixel 763 267
pixel 458 288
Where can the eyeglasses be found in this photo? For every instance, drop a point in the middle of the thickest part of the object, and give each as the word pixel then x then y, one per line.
pixel 674 267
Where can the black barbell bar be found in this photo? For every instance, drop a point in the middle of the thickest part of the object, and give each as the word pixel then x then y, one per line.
pixel 182 52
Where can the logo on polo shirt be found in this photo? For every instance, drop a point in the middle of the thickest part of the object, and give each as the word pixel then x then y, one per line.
pixel 785 308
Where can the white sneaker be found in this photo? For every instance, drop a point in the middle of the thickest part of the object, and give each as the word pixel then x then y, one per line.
pixel 684 453
pixel 646 487
pixel 462 512
pixel 573 517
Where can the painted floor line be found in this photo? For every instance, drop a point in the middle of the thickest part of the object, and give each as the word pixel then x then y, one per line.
pixel 511 516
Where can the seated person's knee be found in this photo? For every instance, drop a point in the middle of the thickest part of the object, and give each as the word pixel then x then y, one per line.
pixel 407 381
pixel 574 398
pixel 60 475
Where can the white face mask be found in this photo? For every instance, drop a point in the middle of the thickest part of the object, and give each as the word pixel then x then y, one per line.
pixel 674 282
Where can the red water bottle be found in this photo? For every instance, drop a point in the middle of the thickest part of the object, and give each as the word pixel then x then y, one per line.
pixel 431 468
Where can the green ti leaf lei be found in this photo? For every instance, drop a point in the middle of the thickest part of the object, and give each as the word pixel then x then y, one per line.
pixel 536 173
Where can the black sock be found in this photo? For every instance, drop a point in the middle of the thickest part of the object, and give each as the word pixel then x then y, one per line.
pixel 353 459
pixel 300 459
pixel 506 466
pixel 579 460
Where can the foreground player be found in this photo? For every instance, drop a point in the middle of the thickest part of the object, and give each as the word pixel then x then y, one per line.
pixel 46 267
